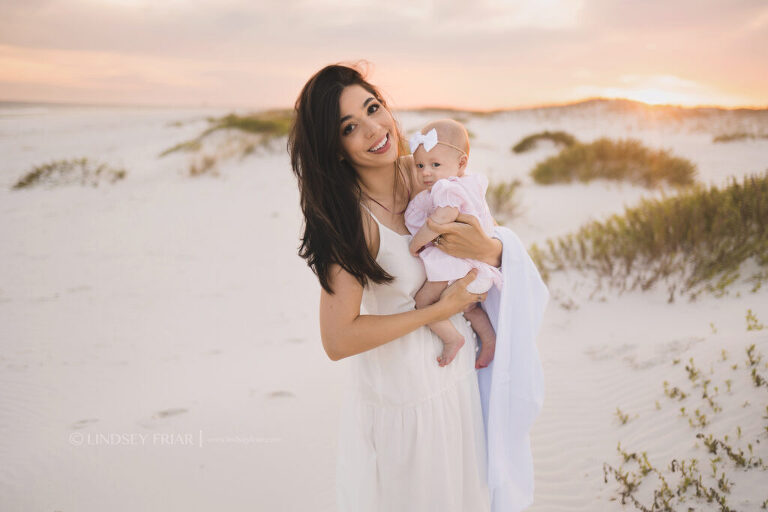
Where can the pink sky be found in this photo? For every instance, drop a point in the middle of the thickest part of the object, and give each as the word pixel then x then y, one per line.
pixel 487 55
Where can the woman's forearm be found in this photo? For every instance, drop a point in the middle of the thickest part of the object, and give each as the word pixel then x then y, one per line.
pixel 467 239
pixel 370 331
pixel 492 255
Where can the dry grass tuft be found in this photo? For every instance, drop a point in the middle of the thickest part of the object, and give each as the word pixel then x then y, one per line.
pixel 560 138
pixel 76 171
pixel 266 126
pixel 502 199
pixel 695 241
pixel 625 159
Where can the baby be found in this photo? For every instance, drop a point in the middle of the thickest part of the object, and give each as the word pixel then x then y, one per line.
pixel 440 152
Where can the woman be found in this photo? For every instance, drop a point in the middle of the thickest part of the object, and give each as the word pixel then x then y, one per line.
pixel 411 432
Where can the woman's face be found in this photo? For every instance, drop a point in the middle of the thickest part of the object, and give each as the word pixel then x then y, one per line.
pixel 367 129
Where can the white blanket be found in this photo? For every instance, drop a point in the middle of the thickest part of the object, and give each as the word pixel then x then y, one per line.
pixel 512 386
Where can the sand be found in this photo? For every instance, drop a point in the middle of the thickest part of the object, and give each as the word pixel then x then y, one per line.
pixel 159 346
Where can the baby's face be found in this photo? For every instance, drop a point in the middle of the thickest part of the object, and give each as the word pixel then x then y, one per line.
pixel 440 162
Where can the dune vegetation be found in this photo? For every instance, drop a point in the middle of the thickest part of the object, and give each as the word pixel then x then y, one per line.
pixel 695 241
pixel 623 159
pixel 502 198
pixel 76 171
pixel 732 137
pixel 560 138
pixel 719 461
pixel 271 123
pixel 266 126
pixel 205 164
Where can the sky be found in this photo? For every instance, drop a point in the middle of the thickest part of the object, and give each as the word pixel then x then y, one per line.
pixel 483 54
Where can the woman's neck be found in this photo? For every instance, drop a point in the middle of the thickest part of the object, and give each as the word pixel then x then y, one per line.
pixel 379 182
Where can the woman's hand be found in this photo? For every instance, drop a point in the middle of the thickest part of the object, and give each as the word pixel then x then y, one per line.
pixel 465 238
pixel 456 298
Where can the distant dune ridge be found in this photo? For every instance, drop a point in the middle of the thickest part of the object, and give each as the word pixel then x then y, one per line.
pixel 161 331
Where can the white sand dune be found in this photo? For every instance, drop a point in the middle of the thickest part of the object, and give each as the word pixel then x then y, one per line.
pixel 159 347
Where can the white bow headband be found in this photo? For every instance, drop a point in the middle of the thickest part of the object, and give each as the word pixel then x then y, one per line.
pixel 429 141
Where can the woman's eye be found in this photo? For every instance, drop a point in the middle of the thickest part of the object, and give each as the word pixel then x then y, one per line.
pixel 373 107
pixel 347 129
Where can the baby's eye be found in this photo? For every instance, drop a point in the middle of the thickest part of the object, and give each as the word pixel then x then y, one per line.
pixel 420 166
pixel 435 164
pixel 373 107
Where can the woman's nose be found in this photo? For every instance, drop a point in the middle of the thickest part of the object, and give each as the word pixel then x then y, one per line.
pixel 371 127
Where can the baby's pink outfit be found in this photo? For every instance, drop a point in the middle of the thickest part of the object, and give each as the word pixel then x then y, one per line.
pixel 467 193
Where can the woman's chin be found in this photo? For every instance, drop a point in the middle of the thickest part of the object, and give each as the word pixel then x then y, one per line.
pixel 387 157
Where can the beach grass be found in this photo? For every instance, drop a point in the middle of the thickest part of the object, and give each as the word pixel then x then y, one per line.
pixel 560 138
pixel 189 145
pixel 502 198
pixel 707 478
pixel 206 164
pixel 267 126
pixel 270 123
pixel 695 241
pixel 623 159
pixel 732 137
pixel 80 171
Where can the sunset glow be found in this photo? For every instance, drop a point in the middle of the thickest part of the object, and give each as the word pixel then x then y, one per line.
pixel 486 55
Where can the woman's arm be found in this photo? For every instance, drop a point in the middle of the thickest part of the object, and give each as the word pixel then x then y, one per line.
pixel 465 238
pixel 345 332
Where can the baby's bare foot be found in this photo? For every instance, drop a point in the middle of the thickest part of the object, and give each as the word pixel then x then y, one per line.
pixel 451 347
pixel 485 356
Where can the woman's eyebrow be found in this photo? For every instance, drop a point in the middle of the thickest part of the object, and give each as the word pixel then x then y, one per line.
pixel 365 104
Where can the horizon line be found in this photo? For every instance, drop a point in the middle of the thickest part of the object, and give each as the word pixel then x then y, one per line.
pixel 204 105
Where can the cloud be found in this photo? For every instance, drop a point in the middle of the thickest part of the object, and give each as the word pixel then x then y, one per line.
pixel 444 50
pixel 663 15
pixel 176 28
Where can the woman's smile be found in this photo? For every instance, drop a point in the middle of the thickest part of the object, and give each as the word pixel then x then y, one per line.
pixel 382 146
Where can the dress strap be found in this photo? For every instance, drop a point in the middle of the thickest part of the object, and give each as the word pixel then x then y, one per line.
pixel 372 215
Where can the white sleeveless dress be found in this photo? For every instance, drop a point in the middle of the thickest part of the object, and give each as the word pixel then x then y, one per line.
pixel 411 435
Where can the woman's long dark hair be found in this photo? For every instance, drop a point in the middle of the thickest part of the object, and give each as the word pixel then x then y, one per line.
pixel 328 186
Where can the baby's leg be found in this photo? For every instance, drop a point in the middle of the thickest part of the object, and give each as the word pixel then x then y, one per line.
pixel 451 338
pixel 482 326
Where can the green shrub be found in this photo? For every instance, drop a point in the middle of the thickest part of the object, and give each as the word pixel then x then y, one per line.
pixel 625 159
pixel 560 138
pixel 699 238
pixel 80 171
pixel 268 125
pixel 272 123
